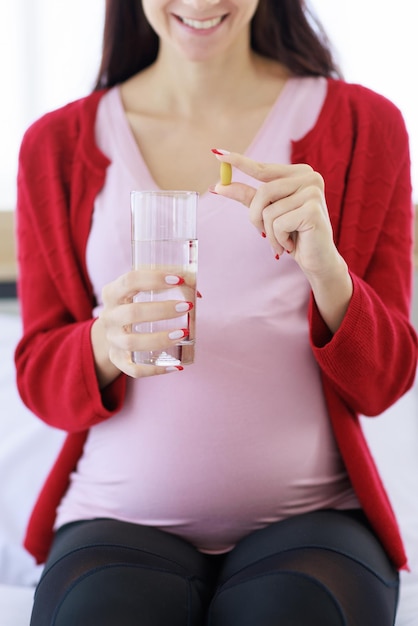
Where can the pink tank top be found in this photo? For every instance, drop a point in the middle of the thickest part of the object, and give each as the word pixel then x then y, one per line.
pixel 241 438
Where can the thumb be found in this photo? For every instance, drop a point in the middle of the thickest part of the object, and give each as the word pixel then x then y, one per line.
pixel 236 191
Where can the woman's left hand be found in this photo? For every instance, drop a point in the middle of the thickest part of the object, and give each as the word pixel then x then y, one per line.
pixel 289 207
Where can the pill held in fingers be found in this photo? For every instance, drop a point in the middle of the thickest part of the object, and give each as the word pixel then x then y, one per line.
pixel 226 173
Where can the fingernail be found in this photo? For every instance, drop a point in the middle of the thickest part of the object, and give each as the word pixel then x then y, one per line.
pixel 277 257
pixel 183 307
pixel 263 234
pixel 219 151
pixel 174 280
pixel 198 294
pixel 178 334
pixel 174 368
pixel 212 190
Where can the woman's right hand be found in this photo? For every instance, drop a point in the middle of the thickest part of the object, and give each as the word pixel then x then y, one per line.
pixel 113 339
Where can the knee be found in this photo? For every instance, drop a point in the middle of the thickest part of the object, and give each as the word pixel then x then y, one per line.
pixel 116 593
pixel 284 598
pixel 124 594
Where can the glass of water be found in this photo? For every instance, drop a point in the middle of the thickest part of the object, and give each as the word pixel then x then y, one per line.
pixel 164 238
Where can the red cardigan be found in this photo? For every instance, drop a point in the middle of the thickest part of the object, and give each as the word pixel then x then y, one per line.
pixel 360 146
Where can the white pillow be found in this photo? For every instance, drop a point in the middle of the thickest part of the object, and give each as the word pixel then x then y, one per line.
pixel 28 449
pixel 393 439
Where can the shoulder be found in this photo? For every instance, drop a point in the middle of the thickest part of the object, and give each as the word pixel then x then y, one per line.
pixel 63 127
pixel 361 104
pixel 355 119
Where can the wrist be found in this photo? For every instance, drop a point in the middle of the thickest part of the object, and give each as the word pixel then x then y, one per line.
pixel 332 290
pixel 332 274
pixel 106 371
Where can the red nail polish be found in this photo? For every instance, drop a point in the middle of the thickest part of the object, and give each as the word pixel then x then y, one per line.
pixel 198 294
pixel 263 234
pixel 277 257
pixel 180 368
pixel 174 280
pixel 185 332
pixel 215 151
pixel 183 307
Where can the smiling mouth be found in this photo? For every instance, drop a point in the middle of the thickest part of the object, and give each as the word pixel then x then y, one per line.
pixel 201 24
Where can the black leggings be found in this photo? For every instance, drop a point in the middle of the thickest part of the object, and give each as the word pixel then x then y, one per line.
pixel 318 569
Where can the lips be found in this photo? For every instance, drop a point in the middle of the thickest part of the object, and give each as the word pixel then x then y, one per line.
pixel 201 24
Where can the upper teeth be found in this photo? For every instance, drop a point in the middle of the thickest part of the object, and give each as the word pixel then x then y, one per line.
pixel 202 24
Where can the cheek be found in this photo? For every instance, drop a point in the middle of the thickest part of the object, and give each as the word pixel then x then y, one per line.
pixel 155 15
pixel 249 8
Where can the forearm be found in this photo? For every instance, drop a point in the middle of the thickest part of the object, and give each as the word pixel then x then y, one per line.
pixel 57 379
pixel 332 292
pixel 372 358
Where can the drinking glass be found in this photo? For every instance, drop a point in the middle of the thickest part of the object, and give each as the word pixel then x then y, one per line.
pixel 164 239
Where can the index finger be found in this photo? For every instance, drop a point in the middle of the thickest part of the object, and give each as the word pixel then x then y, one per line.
pixel 125 287
pixel 264 172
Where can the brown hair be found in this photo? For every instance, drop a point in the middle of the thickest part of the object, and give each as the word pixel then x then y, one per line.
pixel 284 30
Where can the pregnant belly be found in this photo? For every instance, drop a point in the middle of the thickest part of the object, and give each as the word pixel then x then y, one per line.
pixel 213 487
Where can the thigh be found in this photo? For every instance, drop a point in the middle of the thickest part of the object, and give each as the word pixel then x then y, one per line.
pixel 325 567
pixel 110 573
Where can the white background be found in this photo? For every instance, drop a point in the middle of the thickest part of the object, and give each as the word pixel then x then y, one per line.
pixel 50 49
